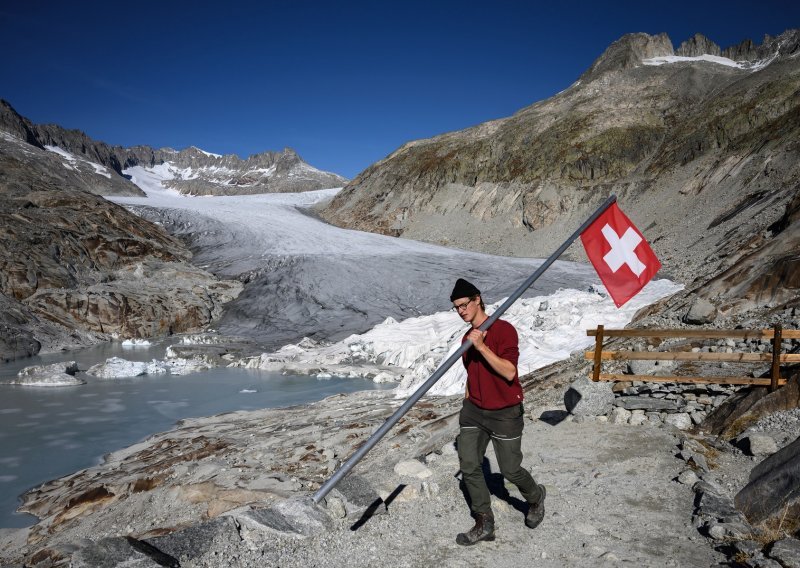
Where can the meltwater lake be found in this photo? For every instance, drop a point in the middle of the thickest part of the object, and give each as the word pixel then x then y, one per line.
pixel 47 432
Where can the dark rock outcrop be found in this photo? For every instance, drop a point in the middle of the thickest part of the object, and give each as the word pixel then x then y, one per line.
pixel 698 45
pixel 746 407
pixel 774 487
pixel 788 43
pixel 12 122
pixel 628 52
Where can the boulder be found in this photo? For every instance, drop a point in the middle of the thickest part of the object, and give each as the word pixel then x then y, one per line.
pixel 787 552
pixel 681 420
pixel 55 375
pixel 688 477
pixel 412 468
pixel 295 517
pixel 588 398
pixel 748 406
pixel 619 415
pixel 701 312
pixel 774 487
pixel 637 418
pixel 358 496
pixel 757 445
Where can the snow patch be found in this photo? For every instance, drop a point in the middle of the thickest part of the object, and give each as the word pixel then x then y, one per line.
pixel 61 152
pixel 209 154
pixel 73 159
pixel 118 368
pixel 550 329
pixel 136 343
pixel 746 65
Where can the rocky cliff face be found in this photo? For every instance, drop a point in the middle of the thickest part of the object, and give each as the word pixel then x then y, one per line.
pixel 191 171
pixel 75 268
pixel 703 155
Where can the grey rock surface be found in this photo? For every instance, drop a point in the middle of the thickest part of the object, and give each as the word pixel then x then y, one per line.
pixel 787 552
pixel 579 464
pixel 701 312
pixel 680 420
pixel 648 404
pixel 774 485
pixel 358 496
pixel 296 516
pixel 657 368
pixel 188 544
pixel 113 552
pixel 698 45
pixel 588 398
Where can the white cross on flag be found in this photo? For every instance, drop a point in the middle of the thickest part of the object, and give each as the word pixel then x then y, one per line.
pixel 617 250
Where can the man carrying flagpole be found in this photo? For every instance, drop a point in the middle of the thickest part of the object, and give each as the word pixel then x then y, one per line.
pixel 492 410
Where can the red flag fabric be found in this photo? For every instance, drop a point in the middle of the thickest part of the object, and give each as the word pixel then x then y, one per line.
pixel 617 250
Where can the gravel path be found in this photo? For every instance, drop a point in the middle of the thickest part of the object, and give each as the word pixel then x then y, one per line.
pixel 611 500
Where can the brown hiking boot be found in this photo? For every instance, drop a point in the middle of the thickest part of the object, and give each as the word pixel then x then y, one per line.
pixel 536 511
pixel 483 530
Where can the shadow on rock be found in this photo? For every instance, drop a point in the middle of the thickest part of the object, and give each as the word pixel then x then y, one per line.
pixel 553 417
pixel 376 506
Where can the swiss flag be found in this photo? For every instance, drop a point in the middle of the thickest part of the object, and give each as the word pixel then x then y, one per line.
pixel 617 250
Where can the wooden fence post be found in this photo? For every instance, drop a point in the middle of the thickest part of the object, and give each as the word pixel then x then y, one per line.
pixel 598 350
pixel 776 357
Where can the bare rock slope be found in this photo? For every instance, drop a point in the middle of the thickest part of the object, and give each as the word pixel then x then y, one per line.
pixel 701 152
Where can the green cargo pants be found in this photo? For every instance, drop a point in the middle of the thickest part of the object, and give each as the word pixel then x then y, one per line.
pixel 504 428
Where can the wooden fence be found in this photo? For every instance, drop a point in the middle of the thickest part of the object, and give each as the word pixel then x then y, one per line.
pixel 775 335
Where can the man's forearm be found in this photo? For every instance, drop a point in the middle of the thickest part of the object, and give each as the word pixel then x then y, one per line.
pixel 503 367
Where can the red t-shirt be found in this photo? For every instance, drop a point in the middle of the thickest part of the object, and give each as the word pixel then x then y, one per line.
pixel 486 388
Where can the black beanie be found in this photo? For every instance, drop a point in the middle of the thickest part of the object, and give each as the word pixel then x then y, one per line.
pixel 463 289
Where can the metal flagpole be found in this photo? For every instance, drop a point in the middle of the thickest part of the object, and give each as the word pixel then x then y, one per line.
pixel 398 414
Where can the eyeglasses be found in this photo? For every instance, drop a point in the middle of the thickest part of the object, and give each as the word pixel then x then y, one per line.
pixel 460 307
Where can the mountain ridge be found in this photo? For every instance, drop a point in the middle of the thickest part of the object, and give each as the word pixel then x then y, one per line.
pixel 240 176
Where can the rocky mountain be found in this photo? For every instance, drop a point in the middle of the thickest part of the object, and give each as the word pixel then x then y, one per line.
pixel 190 171
pixel 700 145
pixel 76 269
pixel 92 169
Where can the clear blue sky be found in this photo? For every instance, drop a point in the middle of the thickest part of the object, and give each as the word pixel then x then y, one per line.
pixel 343 83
